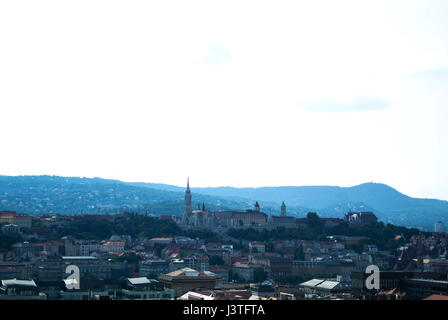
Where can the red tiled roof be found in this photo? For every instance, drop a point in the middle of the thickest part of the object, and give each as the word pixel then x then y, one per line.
pixel 218 269
pixel 11 264
pixel 22 215
pixel 246 265
pixel 162 217
pixel 229 286
pixel 114 243
pixel 160 239
pixel 6 269
pixel 436 297
pixel 7 212
pixel 54 243
pixel 233 294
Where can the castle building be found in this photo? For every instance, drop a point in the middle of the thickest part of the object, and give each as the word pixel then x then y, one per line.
pixel 255 218
pixel 205 218
pixel 282 220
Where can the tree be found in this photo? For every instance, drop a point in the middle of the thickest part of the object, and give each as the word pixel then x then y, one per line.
pixel 260 275
pixel 312 218
pixel 299 254
pixel 314 222
pixel 8 239
pixel 233 275
pixel 270 246
pixel 216 260
pixel 129 257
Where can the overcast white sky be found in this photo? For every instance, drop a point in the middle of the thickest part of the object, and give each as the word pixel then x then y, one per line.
pixel 239 93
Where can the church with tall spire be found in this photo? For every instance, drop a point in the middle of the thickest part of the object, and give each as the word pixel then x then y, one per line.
pixel 187 203
pixel 228 219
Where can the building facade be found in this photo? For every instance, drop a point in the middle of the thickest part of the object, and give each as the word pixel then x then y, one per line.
pixel 186 279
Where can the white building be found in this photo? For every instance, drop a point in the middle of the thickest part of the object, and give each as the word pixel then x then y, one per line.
pixel 257 246
pixel 439 227
pixel 10 228
pixel 88 247
pixel 113 246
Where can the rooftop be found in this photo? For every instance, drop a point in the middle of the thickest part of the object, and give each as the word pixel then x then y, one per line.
pixel 311 283
pixel 320 284
pixel 191 295
pixel 79 258
pixel 140 280
pixel 436 297
pixel 16 282
pixel 188 272
pixel 329 285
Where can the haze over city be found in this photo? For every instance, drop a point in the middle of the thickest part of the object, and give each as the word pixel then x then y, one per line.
pixel 237 93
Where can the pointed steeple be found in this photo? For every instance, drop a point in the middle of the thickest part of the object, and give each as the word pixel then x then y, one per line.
pixel 283 209
pixel 420 264
pixel 187 203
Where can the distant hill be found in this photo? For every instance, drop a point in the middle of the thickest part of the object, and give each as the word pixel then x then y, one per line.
pixel 52 194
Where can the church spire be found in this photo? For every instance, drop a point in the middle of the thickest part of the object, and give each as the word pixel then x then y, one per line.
pixel 420 264
pixel 187 203
pixel 283 209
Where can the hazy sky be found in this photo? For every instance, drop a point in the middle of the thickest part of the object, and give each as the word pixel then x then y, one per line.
pixel 240 93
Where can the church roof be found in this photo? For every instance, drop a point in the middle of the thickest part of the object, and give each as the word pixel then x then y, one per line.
pixel 283 219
